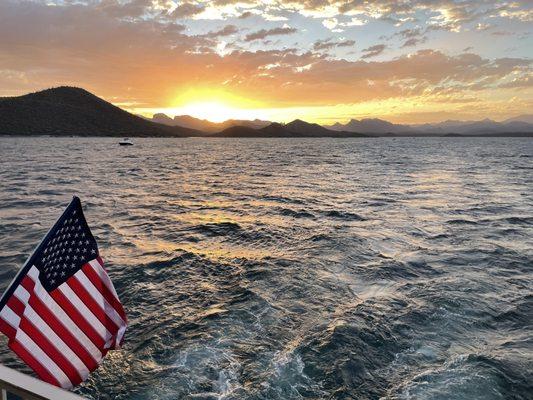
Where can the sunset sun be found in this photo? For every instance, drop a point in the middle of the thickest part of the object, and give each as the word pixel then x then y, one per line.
pixel 215 105
pixel 214 111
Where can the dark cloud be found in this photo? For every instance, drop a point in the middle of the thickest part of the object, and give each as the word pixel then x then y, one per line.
pixel 374 51
pixel 409 33
pixel 246 14
pixel 411 37
pixel 414 41
pixel 226 31
pixel 328 44
pixel 185 10
pixel 134 8
pixel 346 43
pixel 263 33
pixel 324 44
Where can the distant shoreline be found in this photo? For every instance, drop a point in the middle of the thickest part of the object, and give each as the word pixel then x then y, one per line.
pixel 209 137
pixel 69 111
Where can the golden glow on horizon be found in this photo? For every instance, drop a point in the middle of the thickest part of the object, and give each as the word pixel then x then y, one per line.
pixel 214 111
pixel 219 105
pixel 213 104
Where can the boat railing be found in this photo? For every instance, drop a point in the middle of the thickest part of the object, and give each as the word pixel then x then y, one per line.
pixel 15 385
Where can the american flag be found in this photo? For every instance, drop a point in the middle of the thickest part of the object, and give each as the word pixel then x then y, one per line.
pixel 61 313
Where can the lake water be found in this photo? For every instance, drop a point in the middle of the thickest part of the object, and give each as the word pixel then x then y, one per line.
pixel 296 268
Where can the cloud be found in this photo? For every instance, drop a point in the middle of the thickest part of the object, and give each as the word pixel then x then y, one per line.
pixel 263 33
pixel 521 82
pixel 324 44
pixel 411 37
pixel 409 33
pixel 185 10
pixel 374 51
pixel 134 8
pixel 346 43
pixel 524 15
pixel 413 42
pixel 328 44
pixel 482 27
pixel 225 31
pixel 330 23
pixel 246 14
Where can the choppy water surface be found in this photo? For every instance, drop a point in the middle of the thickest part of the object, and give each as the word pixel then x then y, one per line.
pixel 290 269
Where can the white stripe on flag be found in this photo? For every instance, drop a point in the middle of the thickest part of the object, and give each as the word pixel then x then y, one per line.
pixel 10 317
pixel 22 294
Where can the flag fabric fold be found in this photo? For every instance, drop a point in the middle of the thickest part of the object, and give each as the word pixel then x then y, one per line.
pixel 61 313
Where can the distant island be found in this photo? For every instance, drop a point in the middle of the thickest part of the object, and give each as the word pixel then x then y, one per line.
pixel 71 111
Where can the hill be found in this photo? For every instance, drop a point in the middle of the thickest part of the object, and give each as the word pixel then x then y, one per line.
pixel 65 111
pixel 373 126
pixel 528 118
pixel 486 127
pixel 296 128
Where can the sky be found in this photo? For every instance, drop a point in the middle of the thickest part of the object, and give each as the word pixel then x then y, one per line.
pixel 323 61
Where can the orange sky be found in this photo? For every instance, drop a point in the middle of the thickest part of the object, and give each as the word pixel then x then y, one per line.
pixel 321 60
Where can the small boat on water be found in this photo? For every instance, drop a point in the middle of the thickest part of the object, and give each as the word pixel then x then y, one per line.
pixel 126 142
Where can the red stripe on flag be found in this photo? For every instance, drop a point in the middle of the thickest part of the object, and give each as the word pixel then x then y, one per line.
pixel 16 305
pixel 40 340
pixel 89 271
pixel 7 329
pixel 28 283
pixel 89 301
pixel 25 355
pixel 78 319
pixel 55 324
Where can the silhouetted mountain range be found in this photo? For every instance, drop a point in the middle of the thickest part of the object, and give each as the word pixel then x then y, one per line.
pixel 204 125
pixel 254 128
pixel 296 128
pixel 521 118
pixel 486 127
pixel 65 111
pixel 371 126
pixel 518 126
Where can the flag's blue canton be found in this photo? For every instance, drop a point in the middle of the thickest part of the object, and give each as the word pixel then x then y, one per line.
pixel 68 246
